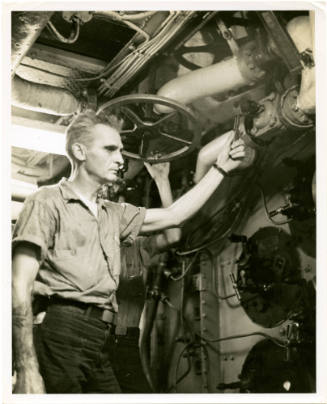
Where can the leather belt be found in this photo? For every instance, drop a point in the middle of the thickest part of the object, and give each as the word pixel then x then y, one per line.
pixel 90 310
pixel 122 331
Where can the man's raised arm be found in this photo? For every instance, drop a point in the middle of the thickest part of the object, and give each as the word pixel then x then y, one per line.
pixel 186 206
pixel 25 267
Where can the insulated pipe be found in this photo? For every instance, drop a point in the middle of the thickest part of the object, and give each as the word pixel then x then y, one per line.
pixel 214 79
pixel 301 30
pixel 150 311
pixel 20 190
pixel 26 27
pixel 43 98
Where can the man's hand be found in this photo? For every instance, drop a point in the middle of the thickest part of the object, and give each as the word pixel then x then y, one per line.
pixel 29 381
pixel 235 155
pixel 158 171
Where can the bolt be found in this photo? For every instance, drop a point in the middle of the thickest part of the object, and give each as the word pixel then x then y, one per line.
pixel 295 108
pixel 204 315
pixel 203 302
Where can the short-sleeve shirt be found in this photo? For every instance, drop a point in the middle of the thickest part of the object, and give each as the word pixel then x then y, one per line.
pixel 79 253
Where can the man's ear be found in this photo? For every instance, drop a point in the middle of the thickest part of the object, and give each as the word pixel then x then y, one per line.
pixel 79 151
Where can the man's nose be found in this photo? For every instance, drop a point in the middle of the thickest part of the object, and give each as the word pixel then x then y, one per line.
pixel 119 158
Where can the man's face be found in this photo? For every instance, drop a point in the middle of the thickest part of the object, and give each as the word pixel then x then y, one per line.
pixel 104 155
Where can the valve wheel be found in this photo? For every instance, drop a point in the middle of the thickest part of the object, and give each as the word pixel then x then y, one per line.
pixel 150 136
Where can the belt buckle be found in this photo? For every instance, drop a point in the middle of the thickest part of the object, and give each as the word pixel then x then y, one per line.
pixel 107 316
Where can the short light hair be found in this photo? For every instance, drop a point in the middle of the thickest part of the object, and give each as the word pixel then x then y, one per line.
pixel 81 129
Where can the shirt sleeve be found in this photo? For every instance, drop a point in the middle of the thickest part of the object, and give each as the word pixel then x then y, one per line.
pixel 35 225
pixel 131 222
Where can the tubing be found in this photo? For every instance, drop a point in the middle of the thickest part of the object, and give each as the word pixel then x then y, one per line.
pixel 301 30
pixel 26 27
pixel 150 311
pixel 214 79
pixel 43 98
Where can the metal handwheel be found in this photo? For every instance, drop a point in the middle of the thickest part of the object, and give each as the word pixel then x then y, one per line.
pixel 150 136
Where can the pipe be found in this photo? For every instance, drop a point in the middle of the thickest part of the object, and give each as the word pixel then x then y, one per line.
pixel 20 190
pixel 301 30
pixel 214 79
pixel 150 311
pixel 149 315
pixel 26 27
pixel 43 98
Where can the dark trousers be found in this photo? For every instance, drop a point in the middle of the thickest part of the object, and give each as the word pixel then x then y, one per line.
pixel 126 363
pixel 73 352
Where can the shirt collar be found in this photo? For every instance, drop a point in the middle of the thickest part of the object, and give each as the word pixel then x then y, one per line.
pixel 67 190
pixel 69 194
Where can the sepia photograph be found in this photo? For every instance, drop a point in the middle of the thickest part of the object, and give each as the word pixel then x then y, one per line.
pixel 162 220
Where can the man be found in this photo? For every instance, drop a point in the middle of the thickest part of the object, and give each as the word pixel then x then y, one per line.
pixel 70 241
pixel 135 265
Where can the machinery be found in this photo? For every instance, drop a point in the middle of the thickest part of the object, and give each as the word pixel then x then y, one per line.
pixel 234 302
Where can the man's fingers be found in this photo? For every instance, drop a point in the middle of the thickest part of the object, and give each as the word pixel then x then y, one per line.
pixel 237 155
pixel 237 149
pixel 236 143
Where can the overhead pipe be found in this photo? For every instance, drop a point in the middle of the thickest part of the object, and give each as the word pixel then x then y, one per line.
pixel 43 98
pixel 301 30
pixel 26 26
pixel 20 190
pixel 226 75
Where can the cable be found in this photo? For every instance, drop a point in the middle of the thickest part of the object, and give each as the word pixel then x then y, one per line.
pixel 73 35
pixel 164 299
pixel 205 245
pixel 221 297
pixel 123 17
pixel 215 214
pixel 109 68
pixel 138 16
pixel 266 208
pixel 273 339
pixel 184 272
pixel 178 364
pixel 177 381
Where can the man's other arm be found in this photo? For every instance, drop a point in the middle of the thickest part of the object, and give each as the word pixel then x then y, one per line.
pixel 160 174
pixel 25 267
